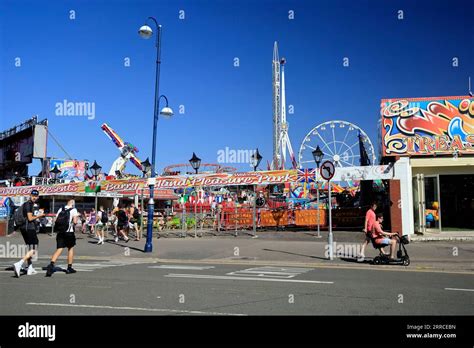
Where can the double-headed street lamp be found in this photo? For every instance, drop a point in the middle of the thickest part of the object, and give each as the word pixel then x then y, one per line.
pixel 146 32
pixel 318 157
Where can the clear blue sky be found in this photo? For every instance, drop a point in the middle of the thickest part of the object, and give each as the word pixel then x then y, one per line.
pixel 82 60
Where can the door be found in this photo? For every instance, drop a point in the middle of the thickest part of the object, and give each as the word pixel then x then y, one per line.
pixel 419 203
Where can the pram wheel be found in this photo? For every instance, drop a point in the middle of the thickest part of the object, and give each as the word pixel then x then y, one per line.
pixel 377 260
pixel 406 261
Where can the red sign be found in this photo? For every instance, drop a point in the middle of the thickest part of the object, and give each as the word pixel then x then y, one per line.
pixel 327 170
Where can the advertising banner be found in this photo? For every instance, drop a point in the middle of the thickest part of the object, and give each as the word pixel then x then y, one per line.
pixel 428 126
pixel 131 187
pixel 70 169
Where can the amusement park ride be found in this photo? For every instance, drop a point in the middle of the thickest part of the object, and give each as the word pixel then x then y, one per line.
pixel 127 153
pixel 337 139
pixel 281 140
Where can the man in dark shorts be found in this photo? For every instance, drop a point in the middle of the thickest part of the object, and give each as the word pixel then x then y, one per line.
pixel 65 238
pixel 29 231
pixel 122 224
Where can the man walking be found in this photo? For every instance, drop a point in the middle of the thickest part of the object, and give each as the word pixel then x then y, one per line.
pixel 66 219
pixel 27 219
pixel 368 225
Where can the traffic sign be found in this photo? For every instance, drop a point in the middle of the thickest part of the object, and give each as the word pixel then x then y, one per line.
pixel 327 170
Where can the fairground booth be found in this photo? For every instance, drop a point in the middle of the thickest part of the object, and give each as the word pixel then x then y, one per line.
pixel 436 135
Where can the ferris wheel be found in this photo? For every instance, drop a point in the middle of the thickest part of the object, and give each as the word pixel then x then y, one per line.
pixel 339 141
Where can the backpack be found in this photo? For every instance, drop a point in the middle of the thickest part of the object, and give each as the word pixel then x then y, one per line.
pixel 18 216
pixel 104 218
pixel 62 221
pixel 136 214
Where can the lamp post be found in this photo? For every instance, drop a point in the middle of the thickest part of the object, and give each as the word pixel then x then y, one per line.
pixel 146 33
pixel 146 166
pixel 96 169
pixel 55 172
pixel 255 161
pixel 318 157
pixel 195 162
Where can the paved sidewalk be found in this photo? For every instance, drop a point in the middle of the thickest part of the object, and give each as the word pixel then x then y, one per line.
pixel 306 250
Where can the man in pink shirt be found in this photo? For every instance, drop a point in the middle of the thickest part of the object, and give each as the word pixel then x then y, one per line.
pixel 368 225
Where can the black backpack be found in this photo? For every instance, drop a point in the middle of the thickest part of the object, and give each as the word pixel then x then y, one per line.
pixel 104 218
pixel 136 214
pixel 18 216
pixel 62 221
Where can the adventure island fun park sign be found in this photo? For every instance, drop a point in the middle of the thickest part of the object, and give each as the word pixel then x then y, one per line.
pixel 428 126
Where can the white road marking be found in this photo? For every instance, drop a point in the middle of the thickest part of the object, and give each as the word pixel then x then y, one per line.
pixel 182 267
pixel 272 272
pixel 455 289
pixel 203 276
pixel 131 308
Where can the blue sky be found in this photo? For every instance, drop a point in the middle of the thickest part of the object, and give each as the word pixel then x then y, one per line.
pixel 82 60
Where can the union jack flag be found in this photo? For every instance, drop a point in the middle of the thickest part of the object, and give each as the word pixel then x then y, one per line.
pixel 306 175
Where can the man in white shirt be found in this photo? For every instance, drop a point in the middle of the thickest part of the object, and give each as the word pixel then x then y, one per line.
pixel 66 219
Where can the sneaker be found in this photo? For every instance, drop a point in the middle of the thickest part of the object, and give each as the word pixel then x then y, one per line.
pixel 31 270
pixel 116 239
pixel 17 268
pixel 70 270
pixel 49 270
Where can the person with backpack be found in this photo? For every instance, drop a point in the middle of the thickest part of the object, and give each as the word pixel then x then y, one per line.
pixel 27 219
pixel 102 219
pixel 135 220
pixel 66 219
pixel 122 223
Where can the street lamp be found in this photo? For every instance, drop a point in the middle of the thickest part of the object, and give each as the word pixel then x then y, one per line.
pixel 146 32
pixel 55 172
pixel 318 157
pixel 96 169
pixel 255 160
pixel 146 166
pixel 195 162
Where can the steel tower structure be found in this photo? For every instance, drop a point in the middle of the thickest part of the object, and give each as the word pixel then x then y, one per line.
pixel 281 139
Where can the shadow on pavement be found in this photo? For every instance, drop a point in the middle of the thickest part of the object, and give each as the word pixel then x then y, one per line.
pixel 357 260
pixel 287 252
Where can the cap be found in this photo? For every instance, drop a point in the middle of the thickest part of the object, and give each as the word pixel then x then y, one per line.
pixel 35 193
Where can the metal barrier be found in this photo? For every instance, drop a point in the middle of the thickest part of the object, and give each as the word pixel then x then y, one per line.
pixel 237 220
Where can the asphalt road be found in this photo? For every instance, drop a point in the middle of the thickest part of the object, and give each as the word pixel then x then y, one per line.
pixel 141 288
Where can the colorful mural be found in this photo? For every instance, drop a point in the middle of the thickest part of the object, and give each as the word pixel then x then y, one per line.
pixel 428 126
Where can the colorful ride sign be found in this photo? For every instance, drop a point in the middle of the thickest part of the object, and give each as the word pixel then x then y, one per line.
pixel 162 183
pixel 428 126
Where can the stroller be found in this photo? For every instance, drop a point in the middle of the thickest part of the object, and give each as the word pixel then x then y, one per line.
pixel 402 255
